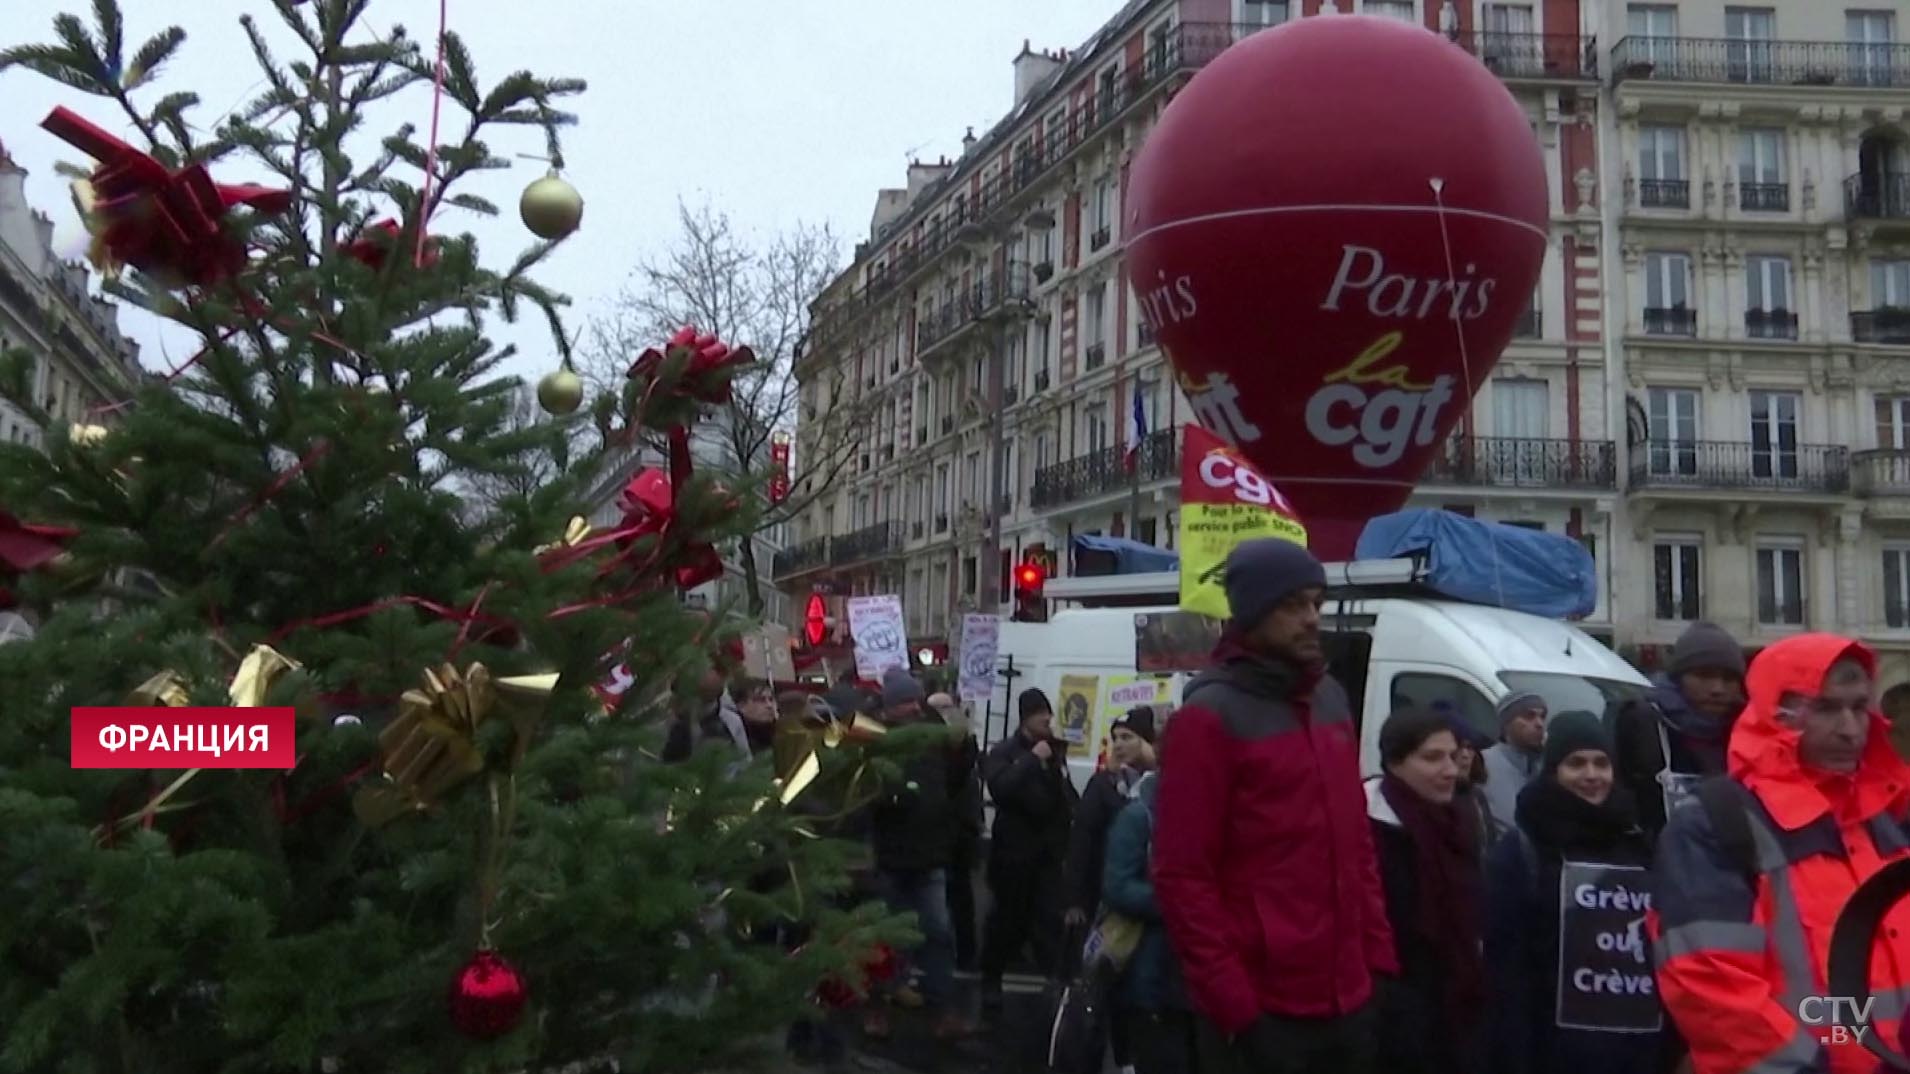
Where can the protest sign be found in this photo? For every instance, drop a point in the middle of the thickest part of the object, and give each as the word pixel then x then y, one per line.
pixel 1605 973
pixel 1224 500
pixel 981 641
pixel 881 639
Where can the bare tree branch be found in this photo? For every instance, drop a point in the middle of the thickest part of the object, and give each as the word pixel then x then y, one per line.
pixel 754 292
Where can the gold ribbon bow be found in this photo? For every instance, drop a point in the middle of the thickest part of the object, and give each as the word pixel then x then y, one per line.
pixel 432 746
pixel 797 762
pixel 576 531
pixel 258 673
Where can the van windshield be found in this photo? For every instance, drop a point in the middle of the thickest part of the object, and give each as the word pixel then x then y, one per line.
pixel 1569 693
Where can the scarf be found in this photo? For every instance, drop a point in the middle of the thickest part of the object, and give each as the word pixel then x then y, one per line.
pixel 1561 822
pixel 1704 736
pixel 1447 919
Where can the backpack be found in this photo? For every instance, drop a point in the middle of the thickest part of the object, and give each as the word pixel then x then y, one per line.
pixel 1728 806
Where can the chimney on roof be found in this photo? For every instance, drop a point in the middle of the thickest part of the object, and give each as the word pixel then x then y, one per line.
pixel 1032 69
pixel 968 141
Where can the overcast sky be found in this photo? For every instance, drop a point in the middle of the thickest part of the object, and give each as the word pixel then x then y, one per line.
pixel 774 111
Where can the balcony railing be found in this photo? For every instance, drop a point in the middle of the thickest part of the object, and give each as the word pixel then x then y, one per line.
pixel 869 542
pixel 1105 472
pixel 1186 48
pixel 1664 193
pixel 1041 381
pixel 1671 322
pixel 1880 472
pixel 1094 357
pixel 1522 462
pixel 1771 63
pixel 1764 197
pixel 1770 324
pixel 986 297
pixel 1887 325
pixel 1711 464
pixel 797 559
pixel 1100 238
pixel 1877 197
pixel 1509 55
pixel 1528 326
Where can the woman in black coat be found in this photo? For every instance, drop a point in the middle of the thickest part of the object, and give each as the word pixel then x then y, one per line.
pixel 1428 853
pixel 1549 1014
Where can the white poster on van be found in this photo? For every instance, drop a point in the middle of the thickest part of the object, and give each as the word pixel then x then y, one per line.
pixel 881 640
pixel 981 643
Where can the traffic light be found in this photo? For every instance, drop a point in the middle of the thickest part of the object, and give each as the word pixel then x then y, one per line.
pixel 1029 605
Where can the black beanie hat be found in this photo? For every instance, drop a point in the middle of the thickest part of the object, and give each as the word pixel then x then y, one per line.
pixel 1139 719
pixel 1569 732
pixel 1033 703
pixel 1265 571
pixel 1706 646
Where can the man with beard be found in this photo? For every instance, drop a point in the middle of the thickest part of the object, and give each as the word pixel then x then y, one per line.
pixel 1264 865
pixel 1676 735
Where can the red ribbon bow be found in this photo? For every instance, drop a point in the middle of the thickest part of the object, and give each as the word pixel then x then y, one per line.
pixel 710 357
pixel 376 241
pixel 166 223
pixel 27 547
pixel 649 509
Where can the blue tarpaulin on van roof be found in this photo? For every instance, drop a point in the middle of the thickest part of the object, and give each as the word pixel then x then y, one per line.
pixel 1526 570
pixel 1130 557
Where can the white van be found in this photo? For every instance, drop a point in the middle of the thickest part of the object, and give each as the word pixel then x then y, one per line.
pixel 1389 642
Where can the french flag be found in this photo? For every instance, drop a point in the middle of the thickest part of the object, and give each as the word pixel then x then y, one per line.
pixel 1136 431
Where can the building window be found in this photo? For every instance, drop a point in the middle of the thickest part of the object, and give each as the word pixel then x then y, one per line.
pixel 1780 584
pixel 1677 563
pixel 1673 413
pixel 1094 331
pixel 1872 33
pixel 1094 423
pixel 1774 434
pixel 1767 312
pixel 1889 284
pixel 1893 421
pixel 1661 168
pixel 1655 26
pixel 1668 309
pixel 1146 531
pixel 1102 217
pixel 969 579
pixel 1393 9
pixel 1761 183
pixel 1748 33
pixel 1507 21
pixel 1258 13
pixel 1896 587
pixel 1521 408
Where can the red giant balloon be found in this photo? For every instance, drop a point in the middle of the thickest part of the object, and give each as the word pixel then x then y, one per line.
pixel 1335 227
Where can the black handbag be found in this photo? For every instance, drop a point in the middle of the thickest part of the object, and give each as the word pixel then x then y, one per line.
pixel 1078 1001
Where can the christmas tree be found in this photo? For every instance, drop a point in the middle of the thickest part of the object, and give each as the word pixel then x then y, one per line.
pixel 478 861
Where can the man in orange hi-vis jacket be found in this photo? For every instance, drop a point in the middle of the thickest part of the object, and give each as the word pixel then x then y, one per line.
pixel 1751 874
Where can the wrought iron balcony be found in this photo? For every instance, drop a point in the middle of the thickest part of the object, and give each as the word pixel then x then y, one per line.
pixel 1764 197
pixel 1664 193
pixel 1528 326
pixel 1880 472
pixel 1877 197
pixel 1094 357
pixel 1712 464
pixel 941 523
pixel 1770 324
pixel 1529 56
pixel 1100 238
pixel 1008 290
pixel 1041 381
pixel 1145 337
pixel 1677 321
pixel 1887 325
pixel 1105 473
pixel 1524 462
pixel 801 558
pixel 1770 63
pixel 867 543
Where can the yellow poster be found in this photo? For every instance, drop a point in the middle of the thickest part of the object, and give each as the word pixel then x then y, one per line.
pixel 1079 695
pixel 1123 693
pixel 1224 501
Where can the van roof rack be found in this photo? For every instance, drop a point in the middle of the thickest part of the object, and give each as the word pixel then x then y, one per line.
pixel 1115 590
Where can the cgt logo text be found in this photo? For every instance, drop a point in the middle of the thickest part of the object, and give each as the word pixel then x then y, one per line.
pixel 1836 1019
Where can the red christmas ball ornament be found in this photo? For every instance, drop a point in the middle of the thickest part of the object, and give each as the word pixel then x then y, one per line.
pixel 1333 262
pixel 879 967
pixel 487 997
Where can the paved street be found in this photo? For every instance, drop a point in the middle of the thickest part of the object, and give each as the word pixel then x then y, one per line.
pixel 1011 1041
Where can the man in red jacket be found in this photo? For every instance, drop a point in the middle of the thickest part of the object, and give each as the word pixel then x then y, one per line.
pixel 1263 861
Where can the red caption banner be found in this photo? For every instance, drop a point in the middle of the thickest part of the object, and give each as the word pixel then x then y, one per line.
pixel 166 737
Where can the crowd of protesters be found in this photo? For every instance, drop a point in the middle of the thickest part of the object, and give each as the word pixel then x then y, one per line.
pixel 1652 888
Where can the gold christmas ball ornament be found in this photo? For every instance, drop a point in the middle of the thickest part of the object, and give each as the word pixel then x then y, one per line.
pixel 551 208
pixel 561 392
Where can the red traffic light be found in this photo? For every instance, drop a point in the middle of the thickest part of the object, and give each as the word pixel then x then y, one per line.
pixel 1029 577
pixel 815 624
